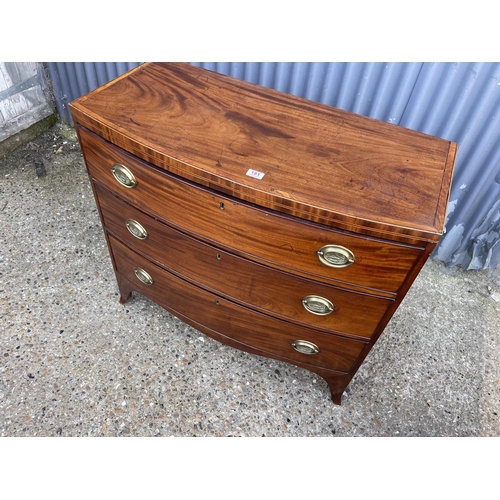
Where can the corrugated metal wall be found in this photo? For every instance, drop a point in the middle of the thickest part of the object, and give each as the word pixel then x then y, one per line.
pixel 455 101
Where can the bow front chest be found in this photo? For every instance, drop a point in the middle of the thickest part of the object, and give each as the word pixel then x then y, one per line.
pixel 276 225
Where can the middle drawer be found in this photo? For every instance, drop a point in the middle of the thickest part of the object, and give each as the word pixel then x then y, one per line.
pixel 275 292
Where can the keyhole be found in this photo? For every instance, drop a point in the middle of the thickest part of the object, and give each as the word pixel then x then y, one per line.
pixel 221 205
pixel 218 256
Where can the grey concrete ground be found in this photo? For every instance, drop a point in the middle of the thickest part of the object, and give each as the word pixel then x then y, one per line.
pixel 74 362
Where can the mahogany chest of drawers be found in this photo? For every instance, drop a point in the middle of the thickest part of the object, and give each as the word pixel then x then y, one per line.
pixel 276 225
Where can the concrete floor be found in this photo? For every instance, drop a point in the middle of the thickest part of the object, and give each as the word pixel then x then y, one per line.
pixel 74 362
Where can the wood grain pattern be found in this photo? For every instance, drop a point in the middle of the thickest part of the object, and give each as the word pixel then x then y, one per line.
pixel 261 235
pixel 234 255
pixel 235 322
pixel 337 381
pixel 320 163
pixel 253 285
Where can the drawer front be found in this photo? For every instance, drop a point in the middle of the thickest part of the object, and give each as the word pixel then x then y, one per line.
pixel 236 322
pixel 271 238
pixel 275 292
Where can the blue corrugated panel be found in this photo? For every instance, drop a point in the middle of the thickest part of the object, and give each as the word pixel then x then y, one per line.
pixel 461 102
pixel 455 101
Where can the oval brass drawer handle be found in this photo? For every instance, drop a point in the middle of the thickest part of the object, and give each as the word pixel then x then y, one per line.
pixel 305 347
pixel 335 256
pixel 143 276
pixel 123 175
pixel 136 229
pixel 318 305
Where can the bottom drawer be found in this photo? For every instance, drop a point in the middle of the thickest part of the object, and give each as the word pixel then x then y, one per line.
pixel 241 324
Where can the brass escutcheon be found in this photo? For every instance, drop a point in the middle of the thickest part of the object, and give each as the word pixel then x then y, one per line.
pixel 123 175
pixel 305 347
pixel 335 256
pixel 143 276
pixel 318 305
pixel 136 229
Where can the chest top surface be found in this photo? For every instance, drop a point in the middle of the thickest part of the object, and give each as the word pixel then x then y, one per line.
pixel 279 151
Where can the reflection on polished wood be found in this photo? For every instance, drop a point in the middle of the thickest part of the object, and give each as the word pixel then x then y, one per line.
pixel 276 225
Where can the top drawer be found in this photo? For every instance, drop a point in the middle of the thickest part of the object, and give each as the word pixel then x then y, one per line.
pixel 262 235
